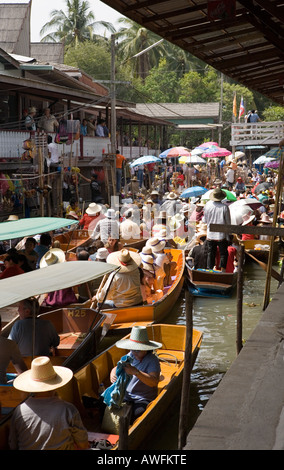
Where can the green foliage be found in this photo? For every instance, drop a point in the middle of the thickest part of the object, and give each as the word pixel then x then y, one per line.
pixel 93 58
pixel 198 88
pixel 274 113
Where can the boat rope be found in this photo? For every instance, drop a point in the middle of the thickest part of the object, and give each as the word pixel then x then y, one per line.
pixel 168 354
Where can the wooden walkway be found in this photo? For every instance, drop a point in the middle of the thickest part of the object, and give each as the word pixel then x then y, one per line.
pixel 246 412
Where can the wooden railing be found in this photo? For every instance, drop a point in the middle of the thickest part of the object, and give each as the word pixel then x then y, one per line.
pixel 259 133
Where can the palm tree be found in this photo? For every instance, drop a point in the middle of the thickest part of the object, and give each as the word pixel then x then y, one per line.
pixel 134 39
pixel 74 26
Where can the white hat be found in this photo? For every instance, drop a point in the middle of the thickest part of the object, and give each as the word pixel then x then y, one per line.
pixel 127 260
pixel 247 218
pixel 148 263
pixel 172 196
pixel 93 209
pixel 110 214
pixel 156 245
pixel 138 340
pixel 102 253
pixel 53 256
pixel 43 376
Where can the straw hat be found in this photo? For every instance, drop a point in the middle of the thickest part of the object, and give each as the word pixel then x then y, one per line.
pixel 138 341
pixel 73 215
pixel 265 219
pixel 53 256
pixel 174 224
pixel 156 245
pixel 148 263
pixel 32 110
pixel 247 218
pixel 217 195
pixel 146 250
pixel 43 376
pixel 172 196
pixel 127 260
pixel 102 253
pixel 12 217
pixel 93 209
pixel 201 234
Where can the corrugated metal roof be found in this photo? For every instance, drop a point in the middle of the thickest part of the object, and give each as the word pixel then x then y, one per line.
pixel 48 52
pixel 243 39
pixel 15 28
pixel 179 110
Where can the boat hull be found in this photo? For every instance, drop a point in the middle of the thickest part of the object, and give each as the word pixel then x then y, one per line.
pixel 253 247
pixel 205 283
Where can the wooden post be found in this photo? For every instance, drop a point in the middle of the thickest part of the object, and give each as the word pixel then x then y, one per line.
pixel 240 300
pixel 41 180
pixel 123 428
pixel 275 215
pixel 184 406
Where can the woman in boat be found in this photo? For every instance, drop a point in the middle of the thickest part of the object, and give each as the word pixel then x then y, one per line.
pixel 144 370
pixel 248 219
pixel 122 289
pixel 29 252
pixel 198 254
pixel 91 216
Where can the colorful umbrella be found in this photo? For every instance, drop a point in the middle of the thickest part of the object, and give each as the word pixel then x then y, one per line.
pixel 194 191
pixel 274 153
pixel 175 152
pixel 145 160
pixel 214 153
pixel 194 159
pixel 274 164
pixel 229 195
pixel 262 160
pixel 209 144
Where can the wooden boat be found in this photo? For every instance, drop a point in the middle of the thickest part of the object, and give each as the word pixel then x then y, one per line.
pixel 86 384
pixel 260 249
pixel 156 310
pixel 210 283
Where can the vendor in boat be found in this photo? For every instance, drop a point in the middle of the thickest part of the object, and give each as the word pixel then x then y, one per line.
pixel 264 221
pixel 123 288
pixel 29 252
pixel 11 266
pixel 144 370
pixel 198 254
pixel 91 216
pixel 73 208
pixel 162 260
pixel 9 351
pixel 45 421
pixel 46 337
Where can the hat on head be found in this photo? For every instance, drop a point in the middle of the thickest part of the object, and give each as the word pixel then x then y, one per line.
pixel 110 213
pixel 73 215
pixel 102 253
pixel 146 250
pixel 12 217
pixel 93 209
pixel 247 218
pixel 156 245
pixel 217 195
pixel 155 192
pixel 53 256
pixel 32 110
pixel 43 376
pixel 172 196
pixel 201 234
pixel 174 224
pixel 138 340
pixel 265 219
pixel 127 260
pixel 147 263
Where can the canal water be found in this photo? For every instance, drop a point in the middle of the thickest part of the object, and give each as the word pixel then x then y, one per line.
pixel 217 319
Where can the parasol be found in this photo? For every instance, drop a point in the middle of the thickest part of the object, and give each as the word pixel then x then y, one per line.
pixel 274 164
pixel 175 152
pixel 145 160
pixel 194 159
pixel 229 195
pixel 274 153
pixel 216 152
pixel 262 160
pixel 194 191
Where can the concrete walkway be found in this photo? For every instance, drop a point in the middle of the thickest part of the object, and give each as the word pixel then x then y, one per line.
pixel 246 412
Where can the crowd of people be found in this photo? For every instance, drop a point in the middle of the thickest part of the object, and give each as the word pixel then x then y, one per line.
pixel 162 218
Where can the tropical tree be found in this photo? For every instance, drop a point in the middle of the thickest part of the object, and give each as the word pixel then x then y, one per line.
pixel 75 25
pixel 133 39
pixel 93 58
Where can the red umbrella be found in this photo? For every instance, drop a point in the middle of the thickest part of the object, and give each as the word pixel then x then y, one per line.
pixel 208 144
pixel 178 152
pixel 221 152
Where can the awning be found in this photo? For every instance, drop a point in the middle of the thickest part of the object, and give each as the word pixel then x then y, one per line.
pixel 49 279
pixel 33 226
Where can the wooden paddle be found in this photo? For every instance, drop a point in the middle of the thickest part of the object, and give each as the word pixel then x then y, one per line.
pixel 264 266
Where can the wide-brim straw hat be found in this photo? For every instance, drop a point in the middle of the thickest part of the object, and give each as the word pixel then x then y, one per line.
pixel 247 218
pixel 172 196
pixel 53 256
pixel 217 195
pixel 138 341
pixel 12 217
pixel 201 234
pixel 156 245
pixel 93 209
pixel 42 377
pixel 127 260
pixel 174 224
pixel 148 263
pixel 265 219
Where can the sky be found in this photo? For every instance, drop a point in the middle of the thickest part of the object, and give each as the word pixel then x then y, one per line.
pixel 41 10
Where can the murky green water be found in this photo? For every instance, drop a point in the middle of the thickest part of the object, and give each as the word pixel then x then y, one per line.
pixel 217 319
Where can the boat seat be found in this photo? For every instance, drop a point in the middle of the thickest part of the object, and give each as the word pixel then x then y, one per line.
pixel 167 371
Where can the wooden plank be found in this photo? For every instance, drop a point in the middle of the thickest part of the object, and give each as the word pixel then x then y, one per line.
pixel 238 229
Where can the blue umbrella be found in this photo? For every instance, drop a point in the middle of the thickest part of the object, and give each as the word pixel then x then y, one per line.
pixel 194 191
pixel 274 152
pixel 145 160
